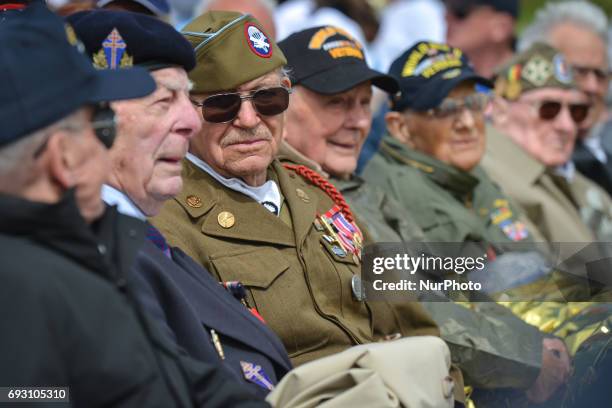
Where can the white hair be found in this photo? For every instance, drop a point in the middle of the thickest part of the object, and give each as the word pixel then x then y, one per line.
pixel 17 158
pixel 578 12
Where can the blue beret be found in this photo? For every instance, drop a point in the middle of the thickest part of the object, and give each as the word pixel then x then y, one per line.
pixel 116 39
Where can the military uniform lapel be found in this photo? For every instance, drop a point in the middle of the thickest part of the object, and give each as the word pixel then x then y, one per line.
pixel 228 213
pixel 303 206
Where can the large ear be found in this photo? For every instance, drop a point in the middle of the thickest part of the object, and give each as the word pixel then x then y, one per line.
pixel 59 160
pixel 397 125
pixel 286 82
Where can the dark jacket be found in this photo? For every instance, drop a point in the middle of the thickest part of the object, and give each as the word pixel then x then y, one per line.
pixel 590 166
pixel 68 318
pixel 188 303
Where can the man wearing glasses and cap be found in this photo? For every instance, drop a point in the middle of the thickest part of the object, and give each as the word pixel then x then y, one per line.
pixel 248 218
pixel 535 120
pixel 436 141
pixel 69 314
pixel 429 163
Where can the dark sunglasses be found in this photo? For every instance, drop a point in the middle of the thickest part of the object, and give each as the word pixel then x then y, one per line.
pixel 450 107
pixel 549 110
pixel 224 108
pixel 103 124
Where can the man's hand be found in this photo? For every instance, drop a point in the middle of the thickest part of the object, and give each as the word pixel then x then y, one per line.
pixel 555 370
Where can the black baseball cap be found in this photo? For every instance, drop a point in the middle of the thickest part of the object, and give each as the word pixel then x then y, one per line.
pixel 46 76
pixel 427 72
pixel 120 39
pixel 464 7
pixel 328 60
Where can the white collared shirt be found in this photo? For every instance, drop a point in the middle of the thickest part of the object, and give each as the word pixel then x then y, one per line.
pixel 268 194
pixel 125 206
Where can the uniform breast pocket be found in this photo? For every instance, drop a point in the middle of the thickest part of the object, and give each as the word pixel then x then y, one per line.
pixel 278 291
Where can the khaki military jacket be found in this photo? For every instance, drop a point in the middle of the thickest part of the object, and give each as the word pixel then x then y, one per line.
pixel 450 205
pixel 294 278
pixel 384 218
pixel 563 212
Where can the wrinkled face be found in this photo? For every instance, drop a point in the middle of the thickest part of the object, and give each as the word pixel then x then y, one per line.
pixel 551 142
pixel 457 139
pixel 245 146
pixel 330 129
pixel 153 138
pixel 587 53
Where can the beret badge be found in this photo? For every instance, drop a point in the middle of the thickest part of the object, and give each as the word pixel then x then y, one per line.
pixel 113 53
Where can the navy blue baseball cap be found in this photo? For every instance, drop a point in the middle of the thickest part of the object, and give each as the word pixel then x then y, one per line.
pixel 426 74
pixel 46 75
pixel 119 39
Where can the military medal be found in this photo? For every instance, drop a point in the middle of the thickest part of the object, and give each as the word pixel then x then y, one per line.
pixel 338 251
pixel 255 374
pixel 346 232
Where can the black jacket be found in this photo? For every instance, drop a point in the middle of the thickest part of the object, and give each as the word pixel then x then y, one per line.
pixel 591 167
pixel 188 303
pixel 68 318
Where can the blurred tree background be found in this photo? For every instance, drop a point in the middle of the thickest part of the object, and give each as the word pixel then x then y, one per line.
pixel 529 7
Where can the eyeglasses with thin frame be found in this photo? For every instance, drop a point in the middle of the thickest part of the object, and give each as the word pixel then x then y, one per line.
pixel 451 107
pixel 103 123
pixel 223 108
pixel 548 110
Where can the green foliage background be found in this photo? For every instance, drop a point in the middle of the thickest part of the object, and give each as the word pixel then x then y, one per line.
pixel 529 7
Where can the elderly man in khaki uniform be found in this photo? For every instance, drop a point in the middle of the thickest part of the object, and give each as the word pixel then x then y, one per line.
pixel 535 122
pixel 286 234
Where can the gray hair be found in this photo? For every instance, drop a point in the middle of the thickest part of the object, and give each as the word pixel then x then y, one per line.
pixel 578 12
pixel 17 158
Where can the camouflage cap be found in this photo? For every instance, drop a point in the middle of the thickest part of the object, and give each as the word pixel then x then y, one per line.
pixel 231 48
pixel 540 66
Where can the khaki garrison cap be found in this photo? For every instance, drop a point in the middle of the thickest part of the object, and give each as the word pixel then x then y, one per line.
pixel 540 66
pixel 231 49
